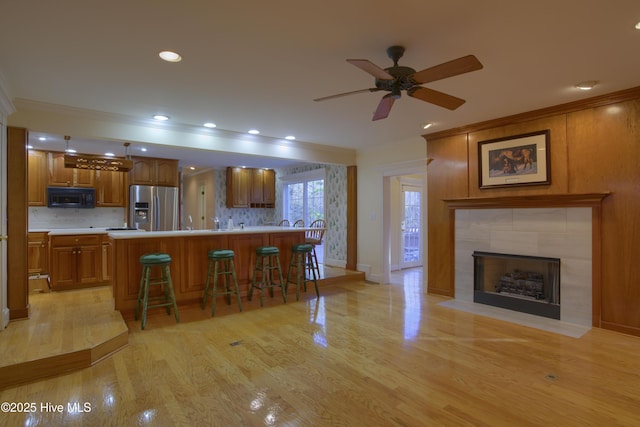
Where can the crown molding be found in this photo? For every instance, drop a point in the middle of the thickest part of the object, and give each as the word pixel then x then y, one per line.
pixel 570 107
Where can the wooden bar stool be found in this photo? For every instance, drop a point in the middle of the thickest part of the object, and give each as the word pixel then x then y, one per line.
pixel 221 264
pixel 267 260
pixel 167 298
pixel 314 238
pixel 301 261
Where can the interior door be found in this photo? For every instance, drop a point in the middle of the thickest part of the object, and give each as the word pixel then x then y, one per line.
pixel 411 227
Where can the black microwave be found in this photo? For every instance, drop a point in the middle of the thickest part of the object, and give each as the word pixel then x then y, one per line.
pixel 71 197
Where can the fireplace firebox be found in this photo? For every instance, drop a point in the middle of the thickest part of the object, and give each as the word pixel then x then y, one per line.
pixel 528 284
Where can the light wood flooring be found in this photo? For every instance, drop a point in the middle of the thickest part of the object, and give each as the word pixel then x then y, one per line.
pixel 360 355
pixel 66 331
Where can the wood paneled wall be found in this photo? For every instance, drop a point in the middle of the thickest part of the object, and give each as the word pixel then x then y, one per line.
pixel 17 218
pixel 595 147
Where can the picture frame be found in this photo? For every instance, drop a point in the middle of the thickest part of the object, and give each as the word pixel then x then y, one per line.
pixel 515 160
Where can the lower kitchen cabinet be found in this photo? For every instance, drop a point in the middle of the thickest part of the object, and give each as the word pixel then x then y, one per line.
pixel 38 253
pixel 76 261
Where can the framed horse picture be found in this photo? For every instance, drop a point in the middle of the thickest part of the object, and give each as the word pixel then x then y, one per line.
pixel 515 160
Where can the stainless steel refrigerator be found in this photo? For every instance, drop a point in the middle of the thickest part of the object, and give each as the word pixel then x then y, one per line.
pixel 153 208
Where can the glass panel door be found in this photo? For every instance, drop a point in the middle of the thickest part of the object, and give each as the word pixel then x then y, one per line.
pixel 411 228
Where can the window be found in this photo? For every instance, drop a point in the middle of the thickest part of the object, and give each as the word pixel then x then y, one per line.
pixel 303 196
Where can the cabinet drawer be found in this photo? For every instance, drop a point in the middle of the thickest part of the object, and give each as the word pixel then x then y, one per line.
pixel 76 240
pixel 38 236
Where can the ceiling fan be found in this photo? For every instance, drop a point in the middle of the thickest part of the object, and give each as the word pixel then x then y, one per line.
pixel 398 78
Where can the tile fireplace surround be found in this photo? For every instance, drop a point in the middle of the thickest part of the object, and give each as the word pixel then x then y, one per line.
pixel 556 227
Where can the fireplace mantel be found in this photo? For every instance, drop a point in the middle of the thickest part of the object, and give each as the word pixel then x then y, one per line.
pixel 532 201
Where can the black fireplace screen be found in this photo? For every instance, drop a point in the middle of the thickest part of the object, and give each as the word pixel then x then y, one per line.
pixel 523 283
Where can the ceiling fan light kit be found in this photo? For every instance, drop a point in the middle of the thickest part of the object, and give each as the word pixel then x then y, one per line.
pixel 397 78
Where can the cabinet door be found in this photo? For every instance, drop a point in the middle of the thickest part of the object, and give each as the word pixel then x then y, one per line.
pixel 89 261
pixel 269 187
pixel 38 254
pixel 110 188
pixel 257 178
pixel 143 172
pixel 84 178
pixel 167 172
pixel 37 178
pixel 63 267
pixel 263 188
pixel 107 260
pixel 59 176
pixel 238 187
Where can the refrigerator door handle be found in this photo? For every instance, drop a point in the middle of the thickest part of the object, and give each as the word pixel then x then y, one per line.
pixel 156 213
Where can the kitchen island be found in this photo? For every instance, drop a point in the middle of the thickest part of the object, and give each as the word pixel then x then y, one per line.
pixel 189 254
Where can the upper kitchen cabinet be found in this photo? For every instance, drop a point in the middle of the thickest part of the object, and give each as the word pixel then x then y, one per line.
pixel 238 187
pixel 110 189
pixel 251 188
pixel 59 176
pixel 37 178
pixel 149 171
pixel 263 188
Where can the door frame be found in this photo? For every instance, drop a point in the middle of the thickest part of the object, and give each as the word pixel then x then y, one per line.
pixel 5 109
pixel 413 167
pixel 419 187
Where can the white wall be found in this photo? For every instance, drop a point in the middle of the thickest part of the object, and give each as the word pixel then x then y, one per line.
pixel 374 166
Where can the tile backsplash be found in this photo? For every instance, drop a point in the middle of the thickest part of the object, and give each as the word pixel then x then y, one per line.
pixel 52 218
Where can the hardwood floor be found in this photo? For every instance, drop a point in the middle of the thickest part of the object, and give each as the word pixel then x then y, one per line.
pixel 360 355
pixel 67 331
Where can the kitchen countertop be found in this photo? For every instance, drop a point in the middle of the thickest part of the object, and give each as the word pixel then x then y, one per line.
pixel 131 234
pixel 73 231
pixel 246 230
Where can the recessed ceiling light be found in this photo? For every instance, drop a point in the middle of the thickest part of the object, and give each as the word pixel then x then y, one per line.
pixel 254 132
pixel 209 125
pixel 170 56
pixel 70 150
pixel 427 125
pixel 192 168
pixel 143 149
pixel 290 137
pixel 42 138
pixel 160 117
pixel 588 85
pixel 109 154
pixel 29 147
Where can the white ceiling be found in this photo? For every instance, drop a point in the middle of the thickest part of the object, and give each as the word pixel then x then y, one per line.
pixel 260 64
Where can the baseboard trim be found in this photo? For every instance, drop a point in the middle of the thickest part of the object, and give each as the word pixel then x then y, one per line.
pixel 5 318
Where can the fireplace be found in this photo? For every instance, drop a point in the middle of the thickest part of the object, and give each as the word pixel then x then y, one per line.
pixel 529 284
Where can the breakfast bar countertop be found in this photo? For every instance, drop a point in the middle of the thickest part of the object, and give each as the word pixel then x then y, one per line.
pixel 74 231
pixel 133 234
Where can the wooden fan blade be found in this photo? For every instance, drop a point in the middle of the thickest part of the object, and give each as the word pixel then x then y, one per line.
pixel 324 98
pixel 458 66
pixel 384 107
pixel 371 68
pixel 434 97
